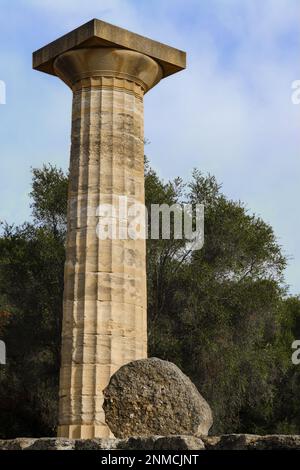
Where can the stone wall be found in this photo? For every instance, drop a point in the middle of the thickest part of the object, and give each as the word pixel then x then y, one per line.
pixel 225 442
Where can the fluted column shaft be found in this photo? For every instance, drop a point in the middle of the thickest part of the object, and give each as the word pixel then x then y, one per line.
pixel 104 321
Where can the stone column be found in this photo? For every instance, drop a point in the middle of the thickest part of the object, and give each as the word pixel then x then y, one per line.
pixel 104 319
pixel 104 323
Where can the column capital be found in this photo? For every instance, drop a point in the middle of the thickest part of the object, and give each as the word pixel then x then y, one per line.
pixel 77 65
pixel 147 61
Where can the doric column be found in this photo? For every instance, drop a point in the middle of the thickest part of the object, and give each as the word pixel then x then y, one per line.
pixel 104 320
pixel 104 324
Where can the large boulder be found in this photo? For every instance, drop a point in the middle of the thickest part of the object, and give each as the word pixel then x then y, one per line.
pixel 153 397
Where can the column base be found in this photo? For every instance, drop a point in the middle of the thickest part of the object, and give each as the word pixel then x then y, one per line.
pixel 84 431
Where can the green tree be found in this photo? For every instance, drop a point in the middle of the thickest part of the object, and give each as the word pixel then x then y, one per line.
pixel 31 289
pixel 214 312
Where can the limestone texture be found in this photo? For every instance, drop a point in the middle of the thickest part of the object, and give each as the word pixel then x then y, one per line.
pixel 161 443
pixel 153 397
pixel 104 316
pixel 104 323
pixel 176 443
pixel 97 33
pixel 252 442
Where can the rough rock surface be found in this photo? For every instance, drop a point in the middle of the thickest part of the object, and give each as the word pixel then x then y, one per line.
pixel 177 443
pixel 252 442
pixel 161 443
pixel 153 397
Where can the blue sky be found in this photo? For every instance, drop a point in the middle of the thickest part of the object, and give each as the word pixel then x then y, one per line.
pixel 230 113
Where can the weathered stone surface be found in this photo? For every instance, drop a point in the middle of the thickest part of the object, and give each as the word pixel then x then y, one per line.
pixel 51 444
pixel 276 442
pixel 252 442
pixel 104 323
pixel 153 397
pixel 226 442
pixel 102 34
pixel 96 444
pixel 229 442
pixel 133 443
pixel 161 443
pixel 16 444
